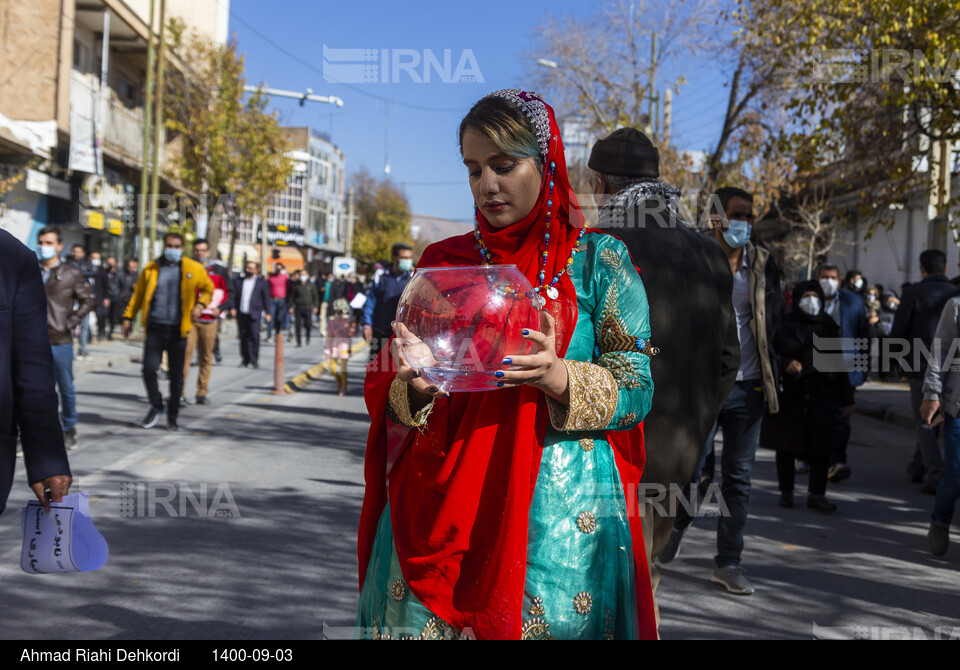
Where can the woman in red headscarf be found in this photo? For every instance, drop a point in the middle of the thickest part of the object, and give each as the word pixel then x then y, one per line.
pixel 507 513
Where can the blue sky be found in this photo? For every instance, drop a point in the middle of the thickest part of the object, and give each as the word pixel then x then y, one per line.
pixel 283 40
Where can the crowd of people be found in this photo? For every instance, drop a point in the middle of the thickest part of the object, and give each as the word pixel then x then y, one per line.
pixel 514 513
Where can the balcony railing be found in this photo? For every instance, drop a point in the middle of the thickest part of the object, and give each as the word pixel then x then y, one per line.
pixel 122 131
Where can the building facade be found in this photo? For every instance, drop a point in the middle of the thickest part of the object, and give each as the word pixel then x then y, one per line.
pixel 306 223
pixel 71 141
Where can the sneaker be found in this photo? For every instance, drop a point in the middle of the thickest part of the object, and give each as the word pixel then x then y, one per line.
pixel 801 467
pixel 938 538
pixel 183 401
pixel 202 400
pixel 672 548
pixel 786 499
pixel 820 503
pixel 839 472
pixel 70 438
pixel 732 578
pixel 217 357
pixel 152 417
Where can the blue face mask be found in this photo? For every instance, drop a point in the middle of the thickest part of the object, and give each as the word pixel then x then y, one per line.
pixel 173 255
pixel 47 252
pixel 405 264
pixel 738 234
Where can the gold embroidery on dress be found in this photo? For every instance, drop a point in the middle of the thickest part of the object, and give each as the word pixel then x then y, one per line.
pixel 587 522
pixel 398 590
pixel 627 419
pixel 622 369
pixel 586 443
pixel 593 399
pixel 398 409
pixel 583 603
pixel 536 628
pixel 438 629
pixel 611 333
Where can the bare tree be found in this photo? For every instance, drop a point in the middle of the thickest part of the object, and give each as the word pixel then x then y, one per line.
pixel 814 230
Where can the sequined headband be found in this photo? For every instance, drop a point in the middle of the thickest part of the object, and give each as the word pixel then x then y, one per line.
pixel 536 110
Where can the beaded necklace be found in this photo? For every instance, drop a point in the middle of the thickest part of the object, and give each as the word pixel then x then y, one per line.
pixel 544 290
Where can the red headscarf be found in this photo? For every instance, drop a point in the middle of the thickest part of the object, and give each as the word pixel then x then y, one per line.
pixel 460 491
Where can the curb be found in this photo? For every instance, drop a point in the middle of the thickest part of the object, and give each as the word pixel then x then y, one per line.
pixel 887 414
pixel 302 380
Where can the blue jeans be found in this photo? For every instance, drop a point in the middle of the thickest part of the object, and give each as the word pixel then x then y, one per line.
pixel 280 315
pixel 740 421
pixel 63 373
pixel 948 490
pixel 84 336
pixel 927 436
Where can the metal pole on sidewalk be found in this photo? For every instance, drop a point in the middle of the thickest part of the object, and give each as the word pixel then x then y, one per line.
pixel 142 253
pixel 277 364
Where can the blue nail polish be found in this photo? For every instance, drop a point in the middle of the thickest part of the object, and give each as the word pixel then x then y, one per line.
pixel 507 361
pixel 500 384
pixel 525 331
pixel 433 389
pixel 498 374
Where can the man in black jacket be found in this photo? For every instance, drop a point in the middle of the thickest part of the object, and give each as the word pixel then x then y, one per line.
pixel 916 321
pixel 688 285
pixel 28 401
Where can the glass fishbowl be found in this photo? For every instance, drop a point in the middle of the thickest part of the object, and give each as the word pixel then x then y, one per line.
pixel 465 321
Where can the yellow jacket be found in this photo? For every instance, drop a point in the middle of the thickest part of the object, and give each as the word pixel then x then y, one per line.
pixel 195 286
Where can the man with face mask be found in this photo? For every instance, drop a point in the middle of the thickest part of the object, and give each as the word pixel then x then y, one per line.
pixel 757 304
pixel 383 297
pixel 203 335
pixel 304 302
pixel 848 311
pixel 916 322
pixel 98 286
pixel 172 291
pixel 694 375
pixel 68 303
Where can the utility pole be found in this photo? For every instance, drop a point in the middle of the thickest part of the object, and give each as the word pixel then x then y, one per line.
pixel 348 247
pixel 158 126
pixel 142 252
pixel 654 99
pixel 667 116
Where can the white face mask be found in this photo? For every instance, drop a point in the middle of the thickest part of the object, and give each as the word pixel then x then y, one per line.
pixel 95 262
pixel 858 284
pixel 810 305
pixel 830 287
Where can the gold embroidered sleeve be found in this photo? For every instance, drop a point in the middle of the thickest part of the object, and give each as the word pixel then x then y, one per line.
pixel 398 409
pixel 593 398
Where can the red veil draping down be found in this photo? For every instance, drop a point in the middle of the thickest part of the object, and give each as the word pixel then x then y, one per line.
pixel 460 492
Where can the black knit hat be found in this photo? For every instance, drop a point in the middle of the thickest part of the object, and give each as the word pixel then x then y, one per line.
pixel 625 152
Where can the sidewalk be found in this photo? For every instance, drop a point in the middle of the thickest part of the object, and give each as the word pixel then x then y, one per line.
pixel 887 401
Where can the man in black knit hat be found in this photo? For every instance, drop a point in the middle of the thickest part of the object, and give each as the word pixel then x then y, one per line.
pixel 689 287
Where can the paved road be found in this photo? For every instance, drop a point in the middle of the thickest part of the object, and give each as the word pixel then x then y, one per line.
pixel 293 465
pixel 285 567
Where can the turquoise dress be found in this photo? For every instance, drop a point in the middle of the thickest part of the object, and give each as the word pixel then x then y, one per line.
pixel 580 573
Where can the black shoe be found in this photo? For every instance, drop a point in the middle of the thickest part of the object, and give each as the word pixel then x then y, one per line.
pixel 172 425
pixel 820 503
pixel 152 417
pixel 70 438
pixel 672 547
pixel 938 538
pixel 255 366
pixel 786 499
pixel 183 401
pixel 202 400
pixel 243 364
pixel 217 357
